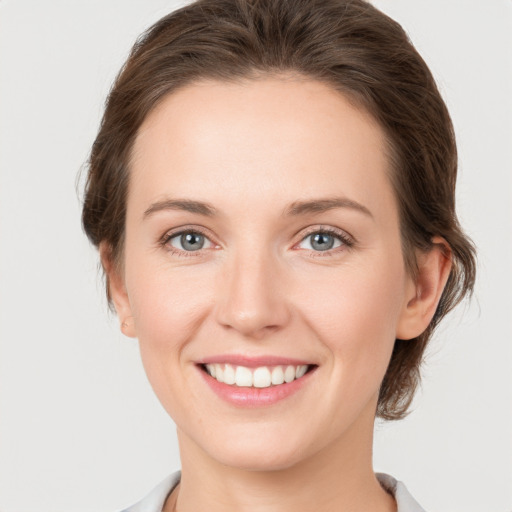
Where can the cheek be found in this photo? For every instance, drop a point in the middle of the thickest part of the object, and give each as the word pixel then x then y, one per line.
pixel 355 311
pixel 354 316
pixel 168 305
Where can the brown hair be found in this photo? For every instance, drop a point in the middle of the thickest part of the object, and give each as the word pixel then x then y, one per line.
pixel 348 44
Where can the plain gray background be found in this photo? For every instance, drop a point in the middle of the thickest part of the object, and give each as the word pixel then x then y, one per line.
pixel 80 429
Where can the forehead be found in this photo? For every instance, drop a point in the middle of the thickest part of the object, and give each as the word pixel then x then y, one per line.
pixel 279 137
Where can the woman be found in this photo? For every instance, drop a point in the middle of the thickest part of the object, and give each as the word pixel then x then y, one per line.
pixel 272 194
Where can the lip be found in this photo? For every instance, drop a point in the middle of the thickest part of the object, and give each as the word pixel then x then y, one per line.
pixel 253 361
pixel 251 397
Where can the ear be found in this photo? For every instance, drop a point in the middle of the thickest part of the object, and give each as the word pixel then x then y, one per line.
pixel 424 291
pixel 117 290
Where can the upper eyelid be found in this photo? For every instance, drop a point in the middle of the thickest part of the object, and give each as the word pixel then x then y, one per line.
pixel 171 233
pixel 331 230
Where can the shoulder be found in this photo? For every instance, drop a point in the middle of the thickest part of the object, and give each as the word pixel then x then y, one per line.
pixel 155 500
pixel 405 502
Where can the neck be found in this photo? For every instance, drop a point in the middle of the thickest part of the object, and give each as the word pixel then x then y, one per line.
pixel 339 477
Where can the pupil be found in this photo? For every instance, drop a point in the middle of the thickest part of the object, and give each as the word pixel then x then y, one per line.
pixel 322 242
pixel 192 241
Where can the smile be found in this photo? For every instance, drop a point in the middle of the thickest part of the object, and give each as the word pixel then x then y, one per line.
pixel 259 377
pixel 255 381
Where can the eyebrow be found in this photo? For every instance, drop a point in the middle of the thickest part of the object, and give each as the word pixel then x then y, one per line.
pixel 187 205
pixel 323 205
pixel 297 208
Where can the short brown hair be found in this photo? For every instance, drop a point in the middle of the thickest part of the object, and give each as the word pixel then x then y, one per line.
pixel 348 44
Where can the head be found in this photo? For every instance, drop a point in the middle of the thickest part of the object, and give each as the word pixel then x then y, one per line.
pixel 347 48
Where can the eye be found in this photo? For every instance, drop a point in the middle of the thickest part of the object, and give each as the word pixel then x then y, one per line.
pixel 189 241
pixel 324 240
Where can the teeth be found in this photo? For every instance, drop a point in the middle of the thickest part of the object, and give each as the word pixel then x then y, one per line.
pixel 289 374
pixel 229 374
pixel 211 369
pixel 243 376
pixel 219 373
pixel 301 370
pixel 277 375
pixel 261 377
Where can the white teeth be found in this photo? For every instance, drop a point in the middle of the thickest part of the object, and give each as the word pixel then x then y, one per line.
pixel 261 377
pixel 229 374
pixel 301 370
pixel 289 373
pixel 243 376
pixel 277 375
pixel 219 373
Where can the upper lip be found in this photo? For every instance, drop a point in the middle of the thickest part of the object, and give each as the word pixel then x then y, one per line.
pixel 253 361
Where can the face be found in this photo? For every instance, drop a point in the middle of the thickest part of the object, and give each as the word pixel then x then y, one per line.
pixel 263 247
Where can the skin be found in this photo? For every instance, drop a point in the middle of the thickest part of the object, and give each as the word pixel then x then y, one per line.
pixel 252 149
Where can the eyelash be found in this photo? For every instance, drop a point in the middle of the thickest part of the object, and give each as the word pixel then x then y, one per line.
pixel 347 242
pixel 164 242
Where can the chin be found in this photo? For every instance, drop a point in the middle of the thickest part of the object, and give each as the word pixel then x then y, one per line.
pixel 258 460
pixel 257 453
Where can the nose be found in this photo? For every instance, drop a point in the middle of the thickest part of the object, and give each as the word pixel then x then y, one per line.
pixel 252 295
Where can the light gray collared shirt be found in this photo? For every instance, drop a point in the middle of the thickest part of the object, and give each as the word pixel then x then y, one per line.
pixel 155 500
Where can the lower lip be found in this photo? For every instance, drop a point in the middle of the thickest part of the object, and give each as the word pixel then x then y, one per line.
pixel 255 397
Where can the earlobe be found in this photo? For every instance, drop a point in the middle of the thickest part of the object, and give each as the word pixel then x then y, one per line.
pixel 425 289
pixel 117 291
pixel 127 327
